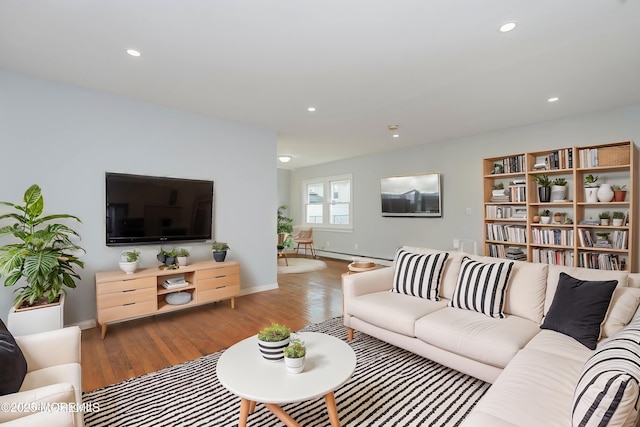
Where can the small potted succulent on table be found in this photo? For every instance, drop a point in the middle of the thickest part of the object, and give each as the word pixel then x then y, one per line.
pixel 294 356
pixel 272 341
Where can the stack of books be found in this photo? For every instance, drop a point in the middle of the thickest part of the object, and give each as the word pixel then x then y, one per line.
pixel 515 253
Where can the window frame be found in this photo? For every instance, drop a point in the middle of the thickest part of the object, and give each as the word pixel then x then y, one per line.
pixel 326 203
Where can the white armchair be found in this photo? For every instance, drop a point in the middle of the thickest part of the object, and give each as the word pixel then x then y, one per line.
pixel 54 376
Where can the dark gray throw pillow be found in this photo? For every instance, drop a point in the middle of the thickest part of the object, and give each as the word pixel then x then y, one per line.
pixel 579 308
pixel 13 365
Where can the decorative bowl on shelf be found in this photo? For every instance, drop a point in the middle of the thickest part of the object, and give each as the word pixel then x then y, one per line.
pixel 178 298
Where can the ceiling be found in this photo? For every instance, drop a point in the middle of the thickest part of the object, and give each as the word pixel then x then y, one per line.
pixel 439 69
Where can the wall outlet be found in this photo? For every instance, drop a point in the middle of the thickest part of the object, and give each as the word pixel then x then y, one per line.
pixel 456 244
pixel 356 246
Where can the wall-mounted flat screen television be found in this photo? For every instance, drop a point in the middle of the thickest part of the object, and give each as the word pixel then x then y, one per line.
pixel 411 196
pixel 151 209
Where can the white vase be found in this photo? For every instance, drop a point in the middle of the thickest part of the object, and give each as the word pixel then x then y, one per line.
pixel 605 193
pixel 558 193
pixel 294 366
pixel 545 219
pixel 128 267
pixel 591 194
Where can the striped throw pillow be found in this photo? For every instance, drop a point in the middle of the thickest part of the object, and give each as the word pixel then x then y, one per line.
pixel 481 286
pixel 419 275
pixel 607 391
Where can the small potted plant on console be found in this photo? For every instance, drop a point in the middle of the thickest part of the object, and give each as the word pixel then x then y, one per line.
pixel 272 341
pixel 129 261
pixel 219 250
pixel 294 356
pixel 182 256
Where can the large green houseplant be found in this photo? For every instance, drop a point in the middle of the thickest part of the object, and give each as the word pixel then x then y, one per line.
pixel 285 228
pixel 44 253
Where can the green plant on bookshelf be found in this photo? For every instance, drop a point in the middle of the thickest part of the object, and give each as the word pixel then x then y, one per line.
pixel 591 181
pixel 559 181
pixel 498 186
pixel 618 215
pixel 543 180
pixel 618 187
pixel 604 215
pixel 544 189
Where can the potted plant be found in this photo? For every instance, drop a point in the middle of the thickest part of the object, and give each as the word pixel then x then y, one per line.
pixel 219 250
pixel 272 341
pixel 619 193
pixel 129 261
pixel 591 188
pixel 284 227
pixel 545 217
pixel 559 189
pixel 44 255
pixel 604 218
pixel 294 356
pixel 617 219
pixel 544 189
pixel 182 256
pixel 168 258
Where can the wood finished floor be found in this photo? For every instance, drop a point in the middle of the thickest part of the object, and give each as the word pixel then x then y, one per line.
pixel 146 345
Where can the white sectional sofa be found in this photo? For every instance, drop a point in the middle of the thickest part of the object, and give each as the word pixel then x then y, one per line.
pixel 534 372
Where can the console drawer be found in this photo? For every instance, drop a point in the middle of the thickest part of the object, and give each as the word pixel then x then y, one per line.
pixel 115 299
pixel 217 272
pixel 126 311
pixel 125 285
pixel 217 282
pixel 218 294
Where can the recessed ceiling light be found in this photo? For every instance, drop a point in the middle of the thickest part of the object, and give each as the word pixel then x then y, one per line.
pixel 553 99
pixel 507 26
pixel 311 109
pixel 395 135
pixel 285 159
pixel 133 52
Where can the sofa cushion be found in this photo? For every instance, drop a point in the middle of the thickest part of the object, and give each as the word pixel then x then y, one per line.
pixel 481 286
pixel 393 311
pixel 13 365
pixel 475 335
pixel 418 275
pixel 559 344
pixel 607 391
pixel 579 308
pixel 534 390
pixel 624 304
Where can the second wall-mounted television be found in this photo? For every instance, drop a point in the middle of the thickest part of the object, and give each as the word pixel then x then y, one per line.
pixel 411 195
pixel 152 209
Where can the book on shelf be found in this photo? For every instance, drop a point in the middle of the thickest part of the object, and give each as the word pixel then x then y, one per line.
pixel 601 261
pixel 553 257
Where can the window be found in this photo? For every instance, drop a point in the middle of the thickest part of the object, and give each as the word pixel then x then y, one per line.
pixel 333 211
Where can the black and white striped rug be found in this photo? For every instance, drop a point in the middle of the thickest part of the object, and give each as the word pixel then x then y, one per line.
pixel 390 387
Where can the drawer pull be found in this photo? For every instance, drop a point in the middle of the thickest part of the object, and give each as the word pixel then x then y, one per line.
pixel 129 303
pixel 129 290
pixel 221 287
pixel 220 277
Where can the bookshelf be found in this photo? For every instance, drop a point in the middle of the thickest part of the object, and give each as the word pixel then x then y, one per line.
pixel 512 205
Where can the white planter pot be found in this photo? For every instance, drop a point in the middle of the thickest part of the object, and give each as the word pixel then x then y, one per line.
pixel 294 366
pixel 35 320
pixel 605 193
pixel 617 222
pixel 604 221
pixel 128 267
pixel 545 219
pixel 558 192
pixel 182 261
pixel 591 194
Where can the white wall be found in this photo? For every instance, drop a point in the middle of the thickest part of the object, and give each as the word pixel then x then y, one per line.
pixel 65 138
pixel 460 163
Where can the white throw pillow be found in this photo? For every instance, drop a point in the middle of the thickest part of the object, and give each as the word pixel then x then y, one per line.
pixel 481 287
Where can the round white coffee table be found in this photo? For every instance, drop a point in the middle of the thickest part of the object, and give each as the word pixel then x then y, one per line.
pixel 329 364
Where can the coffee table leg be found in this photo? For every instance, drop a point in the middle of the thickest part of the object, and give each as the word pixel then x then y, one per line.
pixel 282 415
pixel 330 400
pixel 245 410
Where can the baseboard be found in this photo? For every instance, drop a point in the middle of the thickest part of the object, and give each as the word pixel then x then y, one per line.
pixel 256 289
pixel 349 257
pixel 86 324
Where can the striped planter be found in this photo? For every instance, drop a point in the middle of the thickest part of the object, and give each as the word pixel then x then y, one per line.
pixel 273 351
